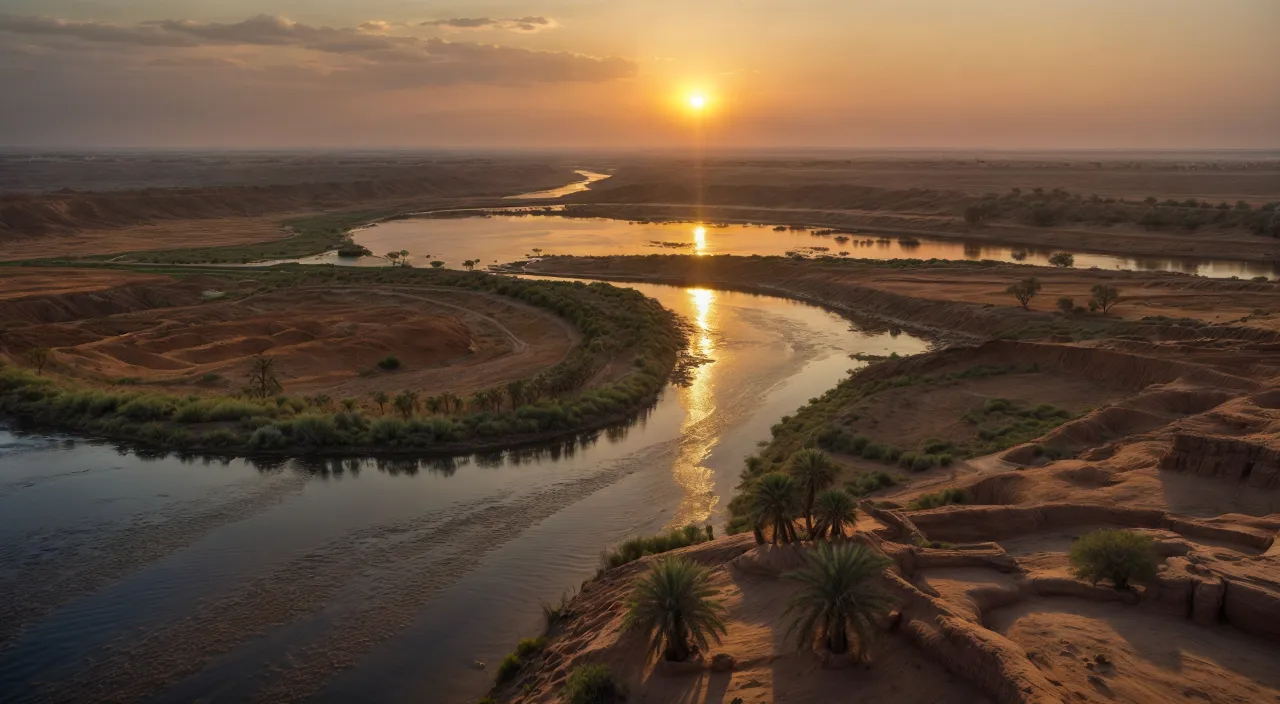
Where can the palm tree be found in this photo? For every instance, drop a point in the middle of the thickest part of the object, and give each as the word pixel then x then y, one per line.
pixel 262 377
pixel 834 509
pixel 380 398
pixel 775 506
pixel 815 472
pixel 672 605
pixel 839 594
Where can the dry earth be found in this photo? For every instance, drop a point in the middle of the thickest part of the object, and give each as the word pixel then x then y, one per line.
pixel 197 335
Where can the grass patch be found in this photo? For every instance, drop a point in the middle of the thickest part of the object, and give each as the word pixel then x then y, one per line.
pixel 635 548
pixel 938 498
pixel 593 684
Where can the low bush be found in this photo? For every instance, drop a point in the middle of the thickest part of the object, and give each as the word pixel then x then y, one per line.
pixel 508 668
pixel 940 498
pixel 529 646
pixel 593 684
pixel 636 548
pixel 1120 556
pixel 389 363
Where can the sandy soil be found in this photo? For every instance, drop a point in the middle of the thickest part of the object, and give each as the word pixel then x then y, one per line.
pixel 768 666
pixel 1151 657
pixel 324 340
pixel 22 283
pixel 172 234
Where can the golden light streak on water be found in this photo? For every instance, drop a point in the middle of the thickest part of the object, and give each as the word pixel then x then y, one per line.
pixel 699 401
pixel 699 239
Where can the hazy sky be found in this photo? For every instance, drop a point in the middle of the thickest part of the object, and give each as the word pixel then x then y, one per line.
pixel 617 73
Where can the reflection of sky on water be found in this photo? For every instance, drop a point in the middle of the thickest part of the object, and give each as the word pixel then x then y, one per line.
pixel 500 238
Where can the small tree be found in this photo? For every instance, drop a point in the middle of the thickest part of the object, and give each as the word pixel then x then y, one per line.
pixel 672 605
pixel 38 358
pixel 469 264
pixel 406 402
pixel 262 377
pixel 1062 260
pixel 1104 297
pixel 1120 556
pixel 437 264
pixel 1024 291
pixel 774 506
pixel 814 471
pixel 380 398
pixel 834 510
pixel 1067 305
pixel 839 593
pixel 393 257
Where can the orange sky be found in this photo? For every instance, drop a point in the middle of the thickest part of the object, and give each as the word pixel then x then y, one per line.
pixel 610 73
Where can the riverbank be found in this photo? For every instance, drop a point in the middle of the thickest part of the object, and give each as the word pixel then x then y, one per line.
pixel 976 468
pixel 1120 239
pixel 174 365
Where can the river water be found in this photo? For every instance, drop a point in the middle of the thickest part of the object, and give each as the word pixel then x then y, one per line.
pixel 172 579
pixel 507 235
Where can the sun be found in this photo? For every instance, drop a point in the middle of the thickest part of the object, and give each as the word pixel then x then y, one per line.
pixel 697 101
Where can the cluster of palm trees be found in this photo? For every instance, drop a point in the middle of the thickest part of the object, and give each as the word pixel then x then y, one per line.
pixel 780 498
pixel 839 603
pixel 840 595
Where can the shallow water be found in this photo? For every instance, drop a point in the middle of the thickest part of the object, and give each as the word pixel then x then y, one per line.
pixel 500 238
pixel 164 579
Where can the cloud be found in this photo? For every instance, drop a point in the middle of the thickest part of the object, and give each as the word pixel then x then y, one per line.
pixel 366 53
pixel 513 24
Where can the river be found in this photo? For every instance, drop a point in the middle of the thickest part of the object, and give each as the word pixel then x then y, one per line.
pixel 510 234
pixel 168 579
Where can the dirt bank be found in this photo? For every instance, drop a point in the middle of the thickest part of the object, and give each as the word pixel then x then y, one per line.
pixel 93 223
pixel 953 296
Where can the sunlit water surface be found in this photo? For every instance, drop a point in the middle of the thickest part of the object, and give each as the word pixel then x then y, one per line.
pixel 358 580
pixel 505 236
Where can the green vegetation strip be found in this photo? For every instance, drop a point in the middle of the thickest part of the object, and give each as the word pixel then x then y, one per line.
pixel 998 424
pixel 615 323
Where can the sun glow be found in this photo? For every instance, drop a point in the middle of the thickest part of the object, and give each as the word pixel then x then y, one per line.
pixel 697 101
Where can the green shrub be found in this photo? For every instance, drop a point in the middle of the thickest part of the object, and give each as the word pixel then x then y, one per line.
pixel 1120 556
pixel 635 548
pixel 508 668
pixel 924 462
pixel 389 363
pixel 906 460
pixel 892 453
pixel 267 437
pixel 529 646
pixel 873 451
pixel 593 684
pixel 940 498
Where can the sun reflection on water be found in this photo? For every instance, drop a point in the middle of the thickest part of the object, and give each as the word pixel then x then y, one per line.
pixel 695 479
pixel 700 240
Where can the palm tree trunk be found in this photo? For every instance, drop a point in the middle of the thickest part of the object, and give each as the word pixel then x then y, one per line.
pixel 808 513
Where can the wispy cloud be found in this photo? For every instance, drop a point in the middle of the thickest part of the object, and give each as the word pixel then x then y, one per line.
pixel 367 52
pixel 511 24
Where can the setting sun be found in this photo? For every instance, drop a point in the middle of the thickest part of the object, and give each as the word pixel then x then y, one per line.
pixel 697 101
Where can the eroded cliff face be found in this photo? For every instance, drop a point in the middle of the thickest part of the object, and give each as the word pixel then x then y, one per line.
pixel 1246 461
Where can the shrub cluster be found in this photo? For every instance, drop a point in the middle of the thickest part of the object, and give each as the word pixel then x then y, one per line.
pixel 635 548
